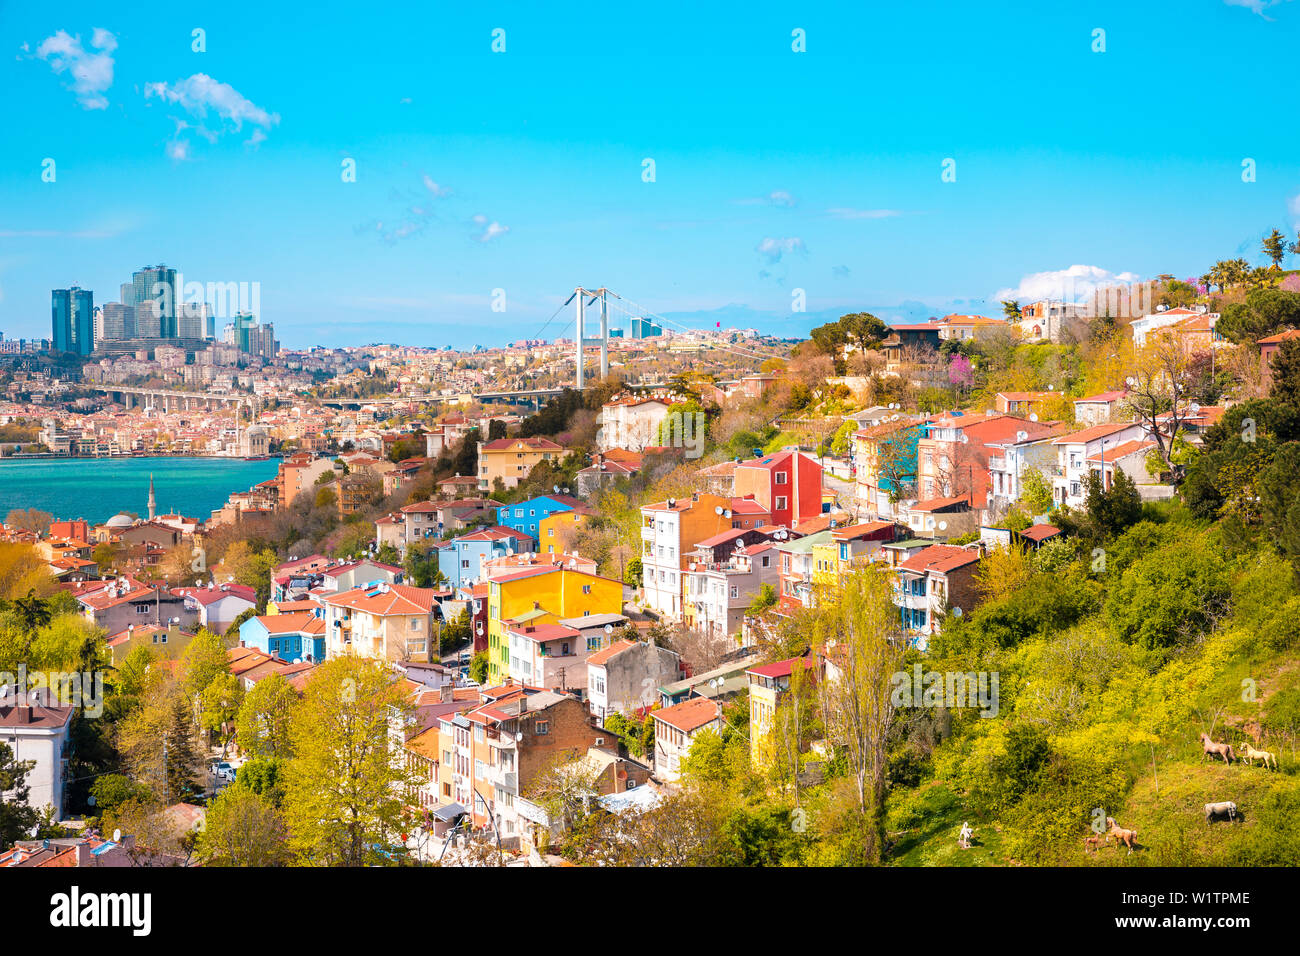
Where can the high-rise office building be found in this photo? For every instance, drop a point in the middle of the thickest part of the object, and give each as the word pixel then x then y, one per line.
pixel 157 284
pixel 116 322
pixel 73 320
pixel 192 319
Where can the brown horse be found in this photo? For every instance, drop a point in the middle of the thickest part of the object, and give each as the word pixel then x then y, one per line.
pixel 1121 835
pixel 1209 747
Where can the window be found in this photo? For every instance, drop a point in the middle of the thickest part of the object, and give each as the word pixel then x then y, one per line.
pixel 542 728
pixel 586 589
pixel 781 477
pixel 550 532
pixel 781 502
pixel 600 741
pixel 415 623
pixel 767 560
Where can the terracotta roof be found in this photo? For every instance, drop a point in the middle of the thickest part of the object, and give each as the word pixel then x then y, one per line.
pixel 387 599
pixel 1090 434
pixel 941 558
pixel 1040 532
pixel 690 715
pixel 606 653
pixel 780 668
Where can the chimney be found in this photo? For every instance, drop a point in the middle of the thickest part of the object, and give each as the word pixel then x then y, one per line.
pixel 448 692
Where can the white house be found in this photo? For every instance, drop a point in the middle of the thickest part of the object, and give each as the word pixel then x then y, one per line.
pixel 676 728
pixel 1166 317
pixel 631 423
pixel 1080 453
pixel 35 727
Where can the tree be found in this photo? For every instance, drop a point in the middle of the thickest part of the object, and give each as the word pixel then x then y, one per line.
pixel 218 705
pixel 478 667
pixel 16 817
pixel 1011 309
pixel 859 627
pixel 1112 510
pixel 262 724
pixel 1274 247
pixel 243 828
pixel 159 745
pixel 1035 491
pixel 1158 389
pixel 421 565
pixel 1284 374
pixel 344 784
pixel 29 519
pixel 202 660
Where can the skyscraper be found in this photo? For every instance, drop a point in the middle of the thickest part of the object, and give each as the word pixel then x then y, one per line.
pixel 72 313
pixel 116 322
pixel 157 284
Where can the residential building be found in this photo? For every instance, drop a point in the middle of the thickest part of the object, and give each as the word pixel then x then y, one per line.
pixel 676 729
pixel 511 459
pixel 297 636
pixel 885 462
pixel 1078 452
pixel 788 484
pixel 390 622
pixel 769 689
pixel 625 677
pixel 670 530
pixel 932 583
pixel 35 726
pixel 631 423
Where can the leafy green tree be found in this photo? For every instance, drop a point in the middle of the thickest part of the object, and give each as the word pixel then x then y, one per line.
pixel 1112 510
pixel 632 573
pixel 1284 374
pixel 202 660
pixel 1011 309
pixel 1169 597
pixel 478 667
pixel 243 828
pixel 16 817
pixel 111 790
pixel 345 783
pixel 388 554
pixel 218 705
pixel 263 719
pixel 1035 491
pixel 1274 247
pixel 264 775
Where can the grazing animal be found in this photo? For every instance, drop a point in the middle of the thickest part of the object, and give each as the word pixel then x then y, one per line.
pixel 1127 837
pixel 1091 843
pixel 1250 754
pixel 1209 747
pixel 1225 809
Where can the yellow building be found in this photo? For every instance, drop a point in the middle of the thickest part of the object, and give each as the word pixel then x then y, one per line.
pixel 511 459
pixel 555 531
pixel 769 687
pixel 542 595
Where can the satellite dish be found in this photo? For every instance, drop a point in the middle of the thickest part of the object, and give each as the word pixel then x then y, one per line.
pixel 117 836
pixel 1195 407
pixel 90 801
pixel 929 523
pixel 1021 436
pixel 718 510
pixel 1051 388
pixel 943 526
pixel 956 612
pixel 555 488
pixel 520 736
pixel 609 628
pixel 1033 416
pixel 726 512
pixel 965 439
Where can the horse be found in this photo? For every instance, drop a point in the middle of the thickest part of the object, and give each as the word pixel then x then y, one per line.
pixel 1093 842
pixel 1127 837
pixel 1226 808
pixel 1250 754
pixel 1209 747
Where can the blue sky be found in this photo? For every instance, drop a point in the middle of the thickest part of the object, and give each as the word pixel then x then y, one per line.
pixel 523 170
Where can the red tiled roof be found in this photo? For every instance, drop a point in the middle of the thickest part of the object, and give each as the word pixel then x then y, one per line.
pixel 941 558
pixel 690 715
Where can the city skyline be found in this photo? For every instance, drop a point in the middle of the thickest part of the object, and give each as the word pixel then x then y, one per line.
pixel 525 171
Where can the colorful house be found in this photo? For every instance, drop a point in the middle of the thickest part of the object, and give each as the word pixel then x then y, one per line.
pixel 299 635
pixel 542 595
pixel 526 516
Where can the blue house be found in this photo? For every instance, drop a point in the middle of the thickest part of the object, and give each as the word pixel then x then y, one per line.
pixel 298 636
pixel 461 559
pixel 526 515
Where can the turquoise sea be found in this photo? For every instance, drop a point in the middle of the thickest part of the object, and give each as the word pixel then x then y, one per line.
pixel 98 488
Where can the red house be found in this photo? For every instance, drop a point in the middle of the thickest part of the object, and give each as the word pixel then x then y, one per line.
pixel 788 484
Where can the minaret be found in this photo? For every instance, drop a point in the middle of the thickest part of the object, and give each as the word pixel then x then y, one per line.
pixel 153 502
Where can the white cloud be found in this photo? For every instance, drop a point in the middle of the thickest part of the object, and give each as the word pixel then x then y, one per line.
pixel 773 249
pixel 1069 285
pixel 1256 6
pixel 178 149
pixel 433 188
pixel 1294 206
pixel 843 212
pixel 777 197
pixel 92 73
pixel 490 229
pixel 198 94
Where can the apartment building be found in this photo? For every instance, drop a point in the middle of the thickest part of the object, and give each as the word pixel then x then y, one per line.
pixel 392 622
pixel 670 530
pixel 511 459
pixel 788 484
pixel 1079 454
pixel 676 729
pixel 933 583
